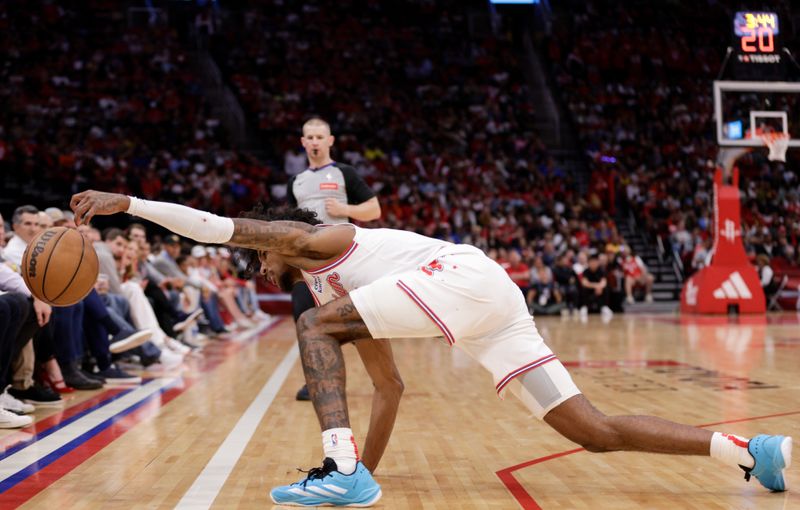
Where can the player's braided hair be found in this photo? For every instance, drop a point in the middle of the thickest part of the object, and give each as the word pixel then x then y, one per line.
pixel 248 259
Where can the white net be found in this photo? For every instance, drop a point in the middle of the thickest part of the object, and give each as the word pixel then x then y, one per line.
pixel 777 144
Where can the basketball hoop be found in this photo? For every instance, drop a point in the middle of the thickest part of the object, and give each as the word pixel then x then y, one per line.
pixel 777 144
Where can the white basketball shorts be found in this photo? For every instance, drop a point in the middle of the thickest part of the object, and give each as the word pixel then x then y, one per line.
pixel 470 300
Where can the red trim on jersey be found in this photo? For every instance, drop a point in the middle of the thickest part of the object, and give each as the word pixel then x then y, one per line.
pixel 530 366
pixel 430 313
pixel 349 251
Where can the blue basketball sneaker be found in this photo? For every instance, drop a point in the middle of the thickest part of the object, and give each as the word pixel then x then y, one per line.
pixel 773 454
pixel 325 486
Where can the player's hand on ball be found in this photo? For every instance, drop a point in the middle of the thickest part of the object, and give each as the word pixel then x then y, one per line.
pixel 335 208
pixel 87 204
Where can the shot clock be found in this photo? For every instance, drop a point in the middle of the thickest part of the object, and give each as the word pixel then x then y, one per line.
pixel 757 46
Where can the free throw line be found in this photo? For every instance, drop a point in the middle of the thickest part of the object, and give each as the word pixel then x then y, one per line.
pixel 206 487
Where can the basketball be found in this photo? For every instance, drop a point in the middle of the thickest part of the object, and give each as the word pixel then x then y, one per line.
pixel 59 266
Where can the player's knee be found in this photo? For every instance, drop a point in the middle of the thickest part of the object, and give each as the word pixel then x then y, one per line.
pixel 392 385
pixel 307 321
pixel 601 437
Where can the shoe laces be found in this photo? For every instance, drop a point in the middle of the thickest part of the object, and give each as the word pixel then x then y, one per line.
pixel 318 473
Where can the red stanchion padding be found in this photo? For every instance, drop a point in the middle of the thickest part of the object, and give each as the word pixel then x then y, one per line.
pixel 729 279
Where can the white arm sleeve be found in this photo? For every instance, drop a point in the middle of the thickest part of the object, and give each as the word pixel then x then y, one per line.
pixel 198 225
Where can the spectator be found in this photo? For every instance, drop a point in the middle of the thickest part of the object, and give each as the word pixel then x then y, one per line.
pixel 25 223
pixel 165 262
pixel 595 293
pixel 13 315
pixel 581 261
pixel 519 272
pixel 543 296
pixel 636 273
pixel 57 217
pixel 32 316
pixel 206 272
pixel 766 275
pixel 566 283
pixel 132 287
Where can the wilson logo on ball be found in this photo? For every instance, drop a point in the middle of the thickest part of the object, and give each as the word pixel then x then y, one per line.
pixel 37 250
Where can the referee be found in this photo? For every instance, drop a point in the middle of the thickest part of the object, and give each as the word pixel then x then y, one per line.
pixel 334 191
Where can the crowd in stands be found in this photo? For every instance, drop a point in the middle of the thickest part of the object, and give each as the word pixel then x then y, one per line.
pixel 438 121
pixel 636 78
pixel 435 115
pixel 151 306
pixel 89 99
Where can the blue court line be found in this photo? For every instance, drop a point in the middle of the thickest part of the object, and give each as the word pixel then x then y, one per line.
pixel 23 474
pixel 60 425
pixel 42 463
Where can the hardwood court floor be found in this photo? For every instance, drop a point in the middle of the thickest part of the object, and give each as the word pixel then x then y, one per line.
pixel 456 445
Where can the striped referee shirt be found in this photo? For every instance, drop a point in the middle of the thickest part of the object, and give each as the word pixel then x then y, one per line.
pixel 310 188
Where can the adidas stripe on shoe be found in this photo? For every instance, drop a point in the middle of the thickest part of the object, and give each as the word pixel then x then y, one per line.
pixel 326 486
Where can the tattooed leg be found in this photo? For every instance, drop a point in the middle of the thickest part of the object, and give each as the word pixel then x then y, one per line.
pixel 321 331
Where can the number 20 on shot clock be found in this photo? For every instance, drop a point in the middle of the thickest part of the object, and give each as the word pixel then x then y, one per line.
pixel 757 37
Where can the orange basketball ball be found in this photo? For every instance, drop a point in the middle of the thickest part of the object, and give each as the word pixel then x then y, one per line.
pixel 59 266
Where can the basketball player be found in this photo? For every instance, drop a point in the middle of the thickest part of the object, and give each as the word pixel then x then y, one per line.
pixel 332 190
pixel 383 283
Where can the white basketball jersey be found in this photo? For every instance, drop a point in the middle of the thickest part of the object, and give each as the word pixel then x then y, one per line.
pixel 373 254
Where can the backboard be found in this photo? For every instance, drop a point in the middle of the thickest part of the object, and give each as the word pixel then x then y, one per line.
pixel 743 107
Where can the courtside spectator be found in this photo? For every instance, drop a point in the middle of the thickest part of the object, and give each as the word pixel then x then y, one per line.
pixel 595 294
pixel 25 223
pixel 636 274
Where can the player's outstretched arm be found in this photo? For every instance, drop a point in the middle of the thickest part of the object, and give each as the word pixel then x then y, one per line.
pixel 88 204
pixel 290 238
pixel 284 237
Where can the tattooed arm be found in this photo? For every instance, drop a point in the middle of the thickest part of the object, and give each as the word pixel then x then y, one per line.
pixel 288 238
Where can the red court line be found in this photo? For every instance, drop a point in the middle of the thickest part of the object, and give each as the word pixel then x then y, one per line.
pixel 56 418
pixel 522 496
pixel 527 502
pixel 220 351
pixel 36 483
pixel 728 422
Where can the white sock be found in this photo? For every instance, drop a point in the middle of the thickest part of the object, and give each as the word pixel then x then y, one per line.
pixel 340 445
pixel 731 449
